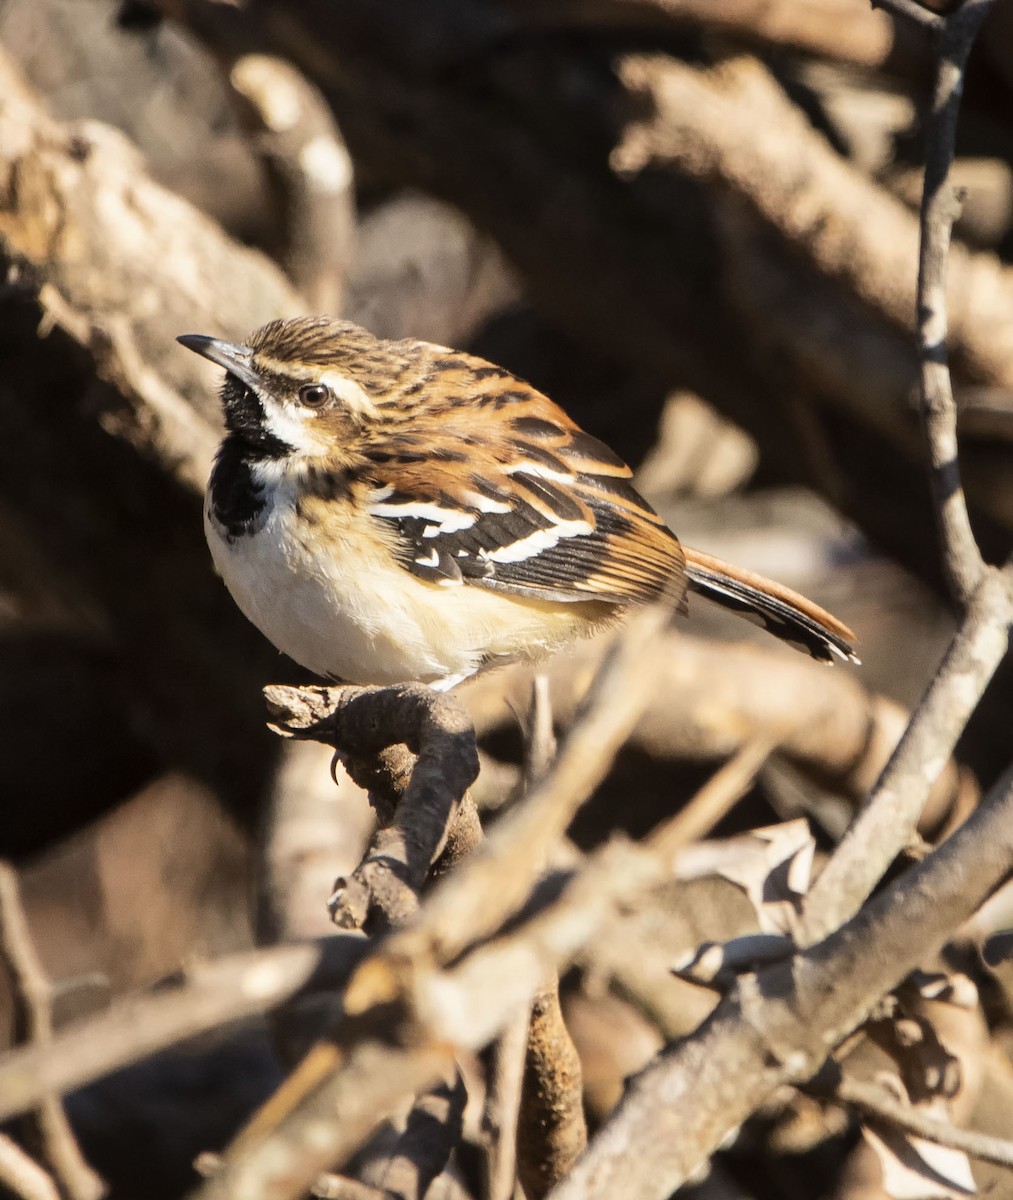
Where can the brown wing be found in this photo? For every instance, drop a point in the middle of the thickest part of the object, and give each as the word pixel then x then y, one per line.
pixel 491 484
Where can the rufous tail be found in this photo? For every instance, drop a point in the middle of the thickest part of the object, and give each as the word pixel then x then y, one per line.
pixel 778 609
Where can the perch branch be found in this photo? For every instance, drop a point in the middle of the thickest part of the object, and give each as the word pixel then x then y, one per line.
pixel 426 818
pixel 362 721
pixel 296 1135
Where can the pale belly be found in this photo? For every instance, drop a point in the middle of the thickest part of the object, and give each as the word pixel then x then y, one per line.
pixel 340 608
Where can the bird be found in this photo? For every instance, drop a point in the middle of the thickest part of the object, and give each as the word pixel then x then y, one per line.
pixel 396 511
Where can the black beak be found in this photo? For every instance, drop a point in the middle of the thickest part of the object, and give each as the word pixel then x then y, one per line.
pixel 236 358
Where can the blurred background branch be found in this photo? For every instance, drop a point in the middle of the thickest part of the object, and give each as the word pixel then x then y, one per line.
pixel 695 225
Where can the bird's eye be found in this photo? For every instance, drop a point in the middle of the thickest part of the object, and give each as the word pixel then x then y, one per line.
pixel 314 395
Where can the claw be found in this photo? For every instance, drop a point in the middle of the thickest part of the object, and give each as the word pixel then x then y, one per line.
pixel 339 757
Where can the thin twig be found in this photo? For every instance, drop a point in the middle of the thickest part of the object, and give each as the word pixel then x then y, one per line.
pixel 33 1013
pixel 974 655
pixel 711 698
pixel 911 10
pixel 502 1105
pixel 887 822
pixel 509 1055
pixel 327 1186
pixel 431 1134
pixel 539 737
pixel 213 994
pixel 550 1127
pixel 876 1101
pixel 21 1175
pixel 939 210
pixel 715 799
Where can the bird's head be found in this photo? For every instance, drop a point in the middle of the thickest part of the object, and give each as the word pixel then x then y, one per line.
pixel 303 386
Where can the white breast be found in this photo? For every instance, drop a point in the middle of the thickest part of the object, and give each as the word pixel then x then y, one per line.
pixel 331 598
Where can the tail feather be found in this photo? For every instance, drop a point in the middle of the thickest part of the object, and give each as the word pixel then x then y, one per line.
pixel 773 607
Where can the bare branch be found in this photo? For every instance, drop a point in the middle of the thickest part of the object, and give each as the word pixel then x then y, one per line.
pixel 717 796
pixel 361 722
pixel 551 1130
pixel 33 1016
pixel 732 127
pixel 22 1175
pixel 939 210
pixel 432 1132
pixel 911 10
pixel 876 1101
pixel 325 1187
pixel 339 1187
pixel 888 820
pixel 341 1089
pixel 838 29
pixel 212 995
pixel 778 1026
pixel 503 1102
pixel 311 170
pixel 67 187
pixel 328 1106
pixel 712 699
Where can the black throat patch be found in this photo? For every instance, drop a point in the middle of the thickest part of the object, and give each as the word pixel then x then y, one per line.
pixel 236 499
pixel 246 421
